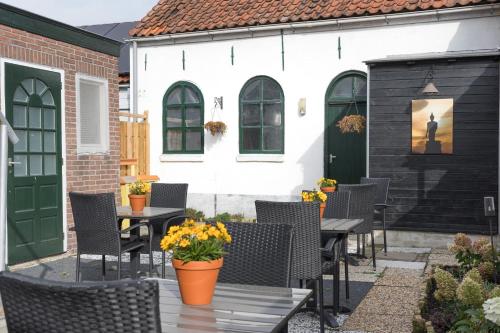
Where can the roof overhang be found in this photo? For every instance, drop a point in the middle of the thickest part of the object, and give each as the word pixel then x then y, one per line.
pixel 362 22
pixel 10 132
pixel 43 26
pixel 435 56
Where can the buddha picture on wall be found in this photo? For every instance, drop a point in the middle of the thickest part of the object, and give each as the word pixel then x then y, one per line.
pixel 432 126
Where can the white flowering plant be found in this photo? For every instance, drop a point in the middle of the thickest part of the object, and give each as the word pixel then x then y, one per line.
pixel 491 310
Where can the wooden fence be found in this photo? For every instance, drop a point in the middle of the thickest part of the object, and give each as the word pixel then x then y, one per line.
pixel 134 145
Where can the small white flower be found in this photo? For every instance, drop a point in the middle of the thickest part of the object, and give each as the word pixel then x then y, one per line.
pixel 492 310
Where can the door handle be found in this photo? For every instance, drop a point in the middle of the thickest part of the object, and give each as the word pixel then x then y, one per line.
pixel 10 162
pixel 332 157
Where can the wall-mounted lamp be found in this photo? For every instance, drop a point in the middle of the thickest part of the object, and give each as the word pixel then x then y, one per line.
pixel 302 106
pixel 430 88
pixel 219 102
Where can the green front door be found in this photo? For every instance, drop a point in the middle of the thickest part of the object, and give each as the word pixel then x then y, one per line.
pixel 34 204
pixel 345 153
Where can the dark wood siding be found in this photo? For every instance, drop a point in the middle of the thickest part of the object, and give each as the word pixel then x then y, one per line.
pixel 439 193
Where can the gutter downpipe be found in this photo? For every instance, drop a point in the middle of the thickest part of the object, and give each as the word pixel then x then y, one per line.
pixel 438 13
pixel 134 79
pixel 3 194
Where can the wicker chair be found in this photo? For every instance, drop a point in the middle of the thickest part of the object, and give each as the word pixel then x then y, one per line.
pixel 39 306
pixel 361 207
pixel 96 227
pixel 337 207
pixel 306 249
pixel 166 196
pixel 380 202
pixel 258 255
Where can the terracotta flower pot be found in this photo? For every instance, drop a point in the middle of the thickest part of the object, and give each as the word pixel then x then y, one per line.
pixel 197 280
pixel 137 202
pixel 327 189
pixel 322 207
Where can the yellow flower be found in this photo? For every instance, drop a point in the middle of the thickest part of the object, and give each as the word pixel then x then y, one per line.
pixel 212 231
pixel 184 243
pixel 173 229
pixel 202 236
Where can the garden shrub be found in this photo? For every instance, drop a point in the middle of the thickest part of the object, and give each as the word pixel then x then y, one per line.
pixel 446 285
pixel 470 293
pixel 474 275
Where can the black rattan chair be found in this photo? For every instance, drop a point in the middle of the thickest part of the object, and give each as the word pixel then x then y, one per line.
pixel 259 254
pixel 167 196
pixel 337 207
pixel 40 306
pixel 97 232
pixel 380 202
pixel 361 205
pixel 306 249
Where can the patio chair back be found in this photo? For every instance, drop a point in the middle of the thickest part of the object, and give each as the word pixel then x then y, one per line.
pixel 35 305
pixel 169 195
pixel 382 188
pixel 96 223
pixel 259 254
pixel 305 219
pixel 337 205
pixel 361 204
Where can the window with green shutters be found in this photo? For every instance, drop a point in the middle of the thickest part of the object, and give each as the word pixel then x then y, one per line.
pixel 262 117
pixel 183 119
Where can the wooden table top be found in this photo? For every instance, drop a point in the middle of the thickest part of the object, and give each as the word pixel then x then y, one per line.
pixel 340 226
pixel 235 308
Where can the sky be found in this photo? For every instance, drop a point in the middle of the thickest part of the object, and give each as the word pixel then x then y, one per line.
pixel 86 12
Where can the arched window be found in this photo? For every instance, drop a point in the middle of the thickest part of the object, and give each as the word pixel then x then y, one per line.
pixel 262 117
pixel 183 119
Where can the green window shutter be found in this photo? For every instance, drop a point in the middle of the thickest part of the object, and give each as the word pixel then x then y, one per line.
pixel 183 119
pixel 262 117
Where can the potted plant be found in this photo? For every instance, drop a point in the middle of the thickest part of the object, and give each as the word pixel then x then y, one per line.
pixel 309 196
pixel 352 124
pixel 216 127
pixel 137 195
pixel 197 251
pixel 327 184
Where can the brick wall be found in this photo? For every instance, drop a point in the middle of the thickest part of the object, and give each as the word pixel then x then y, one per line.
pixel 85 173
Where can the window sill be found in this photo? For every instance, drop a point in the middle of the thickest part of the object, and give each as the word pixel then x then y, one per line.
pixel 182 158
pixel 272 158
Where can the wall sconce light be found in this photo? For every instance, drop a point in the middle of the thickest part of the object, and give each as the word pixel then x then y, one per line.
pixel 219 101
pixel 430 88
pixel 302 106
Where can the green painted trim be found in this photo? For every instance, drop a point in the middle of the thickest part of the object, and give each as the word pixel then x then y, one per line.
pixel 331 85
pixel 232 55
pixel 39 25
pixel 282 51
pixel 184 128
pixel 339 47
pixel 261 102
pixel 183 60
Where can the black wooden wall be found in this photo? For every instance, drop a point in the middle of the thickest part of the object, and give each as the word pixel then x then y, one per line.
pixel 439 193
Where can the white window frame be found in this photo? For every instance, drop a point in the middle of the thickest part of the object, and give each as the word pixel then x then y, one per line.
pixel 103 147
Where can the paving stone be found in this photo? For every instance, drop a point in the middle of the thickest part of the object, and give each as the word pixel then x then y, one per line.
pixel 442 259
pixel 408 249
pixel 440 251
pixel 401 264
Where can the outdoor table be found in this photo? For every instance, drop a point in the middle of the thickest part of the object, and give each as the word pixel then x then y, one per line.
pixel 148 214
pixel 340 229
pixel 235 308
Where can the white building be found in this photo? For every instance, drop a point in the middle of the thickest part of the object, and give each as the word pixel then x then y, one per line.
pixel 217 51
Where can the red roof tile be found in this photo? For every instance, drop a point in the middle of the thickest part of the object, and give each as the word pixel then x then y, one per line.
pixel 177 16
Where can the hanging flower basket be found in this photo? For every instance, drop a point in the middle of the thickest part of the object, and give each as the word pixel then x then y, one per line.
pixel 352 124
pixel 216 127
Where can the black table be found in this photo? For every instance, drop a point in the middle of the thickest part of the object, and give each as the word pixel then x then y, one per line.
pixel 148 214
pixel 340 229
pixel 235 308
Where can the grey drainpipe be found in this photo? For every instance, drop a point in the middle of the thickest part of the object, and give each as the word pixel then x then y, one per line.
pixel 134 79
